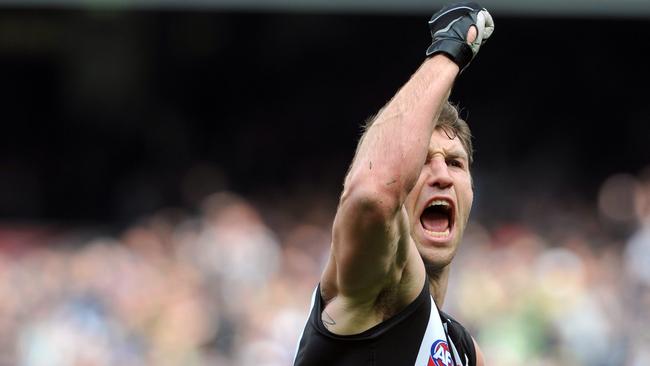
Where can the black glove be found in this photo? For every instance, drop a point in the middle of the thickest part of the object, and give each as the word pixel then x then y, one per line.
pixel 449 29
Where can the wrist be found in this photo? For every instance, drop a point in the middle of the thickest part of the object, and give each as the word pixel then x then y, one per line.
pixel 458 51
pixel 443 63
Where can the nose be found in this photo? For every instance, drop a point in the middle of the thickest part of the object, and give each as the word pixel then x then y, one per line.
pixel 439 173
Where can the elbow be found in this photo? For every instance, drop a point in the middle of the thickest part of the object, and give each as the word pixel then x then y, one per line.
pixel 373 202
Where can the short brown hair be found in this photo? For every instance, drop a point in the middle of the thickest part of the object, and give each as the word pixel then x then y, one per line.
pixel 454 126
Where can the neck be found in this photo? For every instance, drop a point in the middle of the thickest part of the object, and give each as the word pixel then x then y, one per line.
pixel 438 278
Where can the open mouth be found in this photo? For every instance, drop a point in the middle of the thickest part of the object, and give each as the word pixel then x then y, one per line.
pixel 438 218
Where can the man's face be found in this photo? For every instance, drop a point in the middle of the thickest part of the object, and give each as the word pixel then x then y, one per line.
pixel 438 206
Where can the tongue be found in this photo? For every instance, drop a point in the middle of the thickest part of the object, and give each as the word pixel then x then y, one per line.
pixel 434 221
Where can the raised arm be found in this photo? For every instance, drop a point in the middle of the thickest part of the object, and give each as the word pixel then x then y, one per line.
pixel 369 222
pixel 371 245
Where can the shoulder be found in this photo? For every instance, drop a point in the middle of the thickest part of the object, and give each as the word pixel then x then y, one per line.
pixel 456 328
pixel 462 340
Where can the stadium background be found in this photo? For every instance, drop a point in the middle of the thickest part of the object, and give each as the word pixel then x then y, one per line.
pixel 169 173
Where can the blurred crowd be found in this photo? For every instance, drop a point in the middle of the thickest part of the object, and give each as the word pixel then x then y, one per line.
pixel 230 284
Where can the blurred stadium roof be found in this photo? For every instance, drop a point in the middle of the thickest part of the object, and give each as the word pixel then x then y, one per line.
pixel 608 8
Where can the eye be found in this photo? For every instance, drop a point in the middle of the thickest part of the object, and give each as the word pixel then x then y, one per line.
pixel 455 163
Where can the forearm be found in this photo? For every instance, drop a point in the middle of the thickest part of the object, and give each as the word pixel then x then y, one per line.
pixel 393 150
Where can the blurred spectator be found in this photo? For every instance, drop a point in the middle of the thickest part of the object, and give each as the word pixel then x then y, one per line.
pixel 637 264
pixel 224 288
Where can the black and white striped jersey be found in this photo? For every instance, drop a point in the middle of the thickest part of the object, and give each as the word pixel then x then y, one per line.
pixel 412 337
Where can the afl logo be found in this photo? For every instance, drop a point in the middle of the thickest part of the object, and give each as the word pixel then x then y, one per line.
pixel 440 355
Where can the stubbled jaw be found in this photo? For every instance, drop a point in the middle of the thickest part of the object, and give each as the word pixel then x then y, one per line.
pixel 437 219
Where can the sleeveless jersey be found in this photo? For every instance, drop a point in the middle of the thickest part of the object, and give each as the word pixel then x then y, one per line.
pixel 405 339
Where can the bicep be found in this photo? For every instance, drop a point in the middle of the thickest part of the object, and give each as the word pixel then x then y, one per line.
pixel 369 245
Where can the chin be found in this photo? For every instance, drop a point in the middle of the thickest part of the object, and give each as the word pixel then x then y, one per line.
pixel 436 255
pixel 437 259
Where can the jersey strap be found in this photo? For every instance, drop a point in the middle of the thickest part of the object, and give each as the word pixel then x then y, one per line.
pixel 434 349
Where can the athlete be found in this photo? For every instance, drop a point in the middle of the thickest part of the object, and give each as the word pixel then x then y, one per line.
pixel 405 204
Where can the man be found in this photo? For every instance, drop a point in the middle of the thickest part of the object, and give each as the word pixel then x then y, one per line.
pixel 405 203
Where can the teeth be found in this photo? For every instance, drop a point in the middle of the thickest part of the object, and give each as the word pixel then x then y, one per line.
pixel 439 203
pixel 438 234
